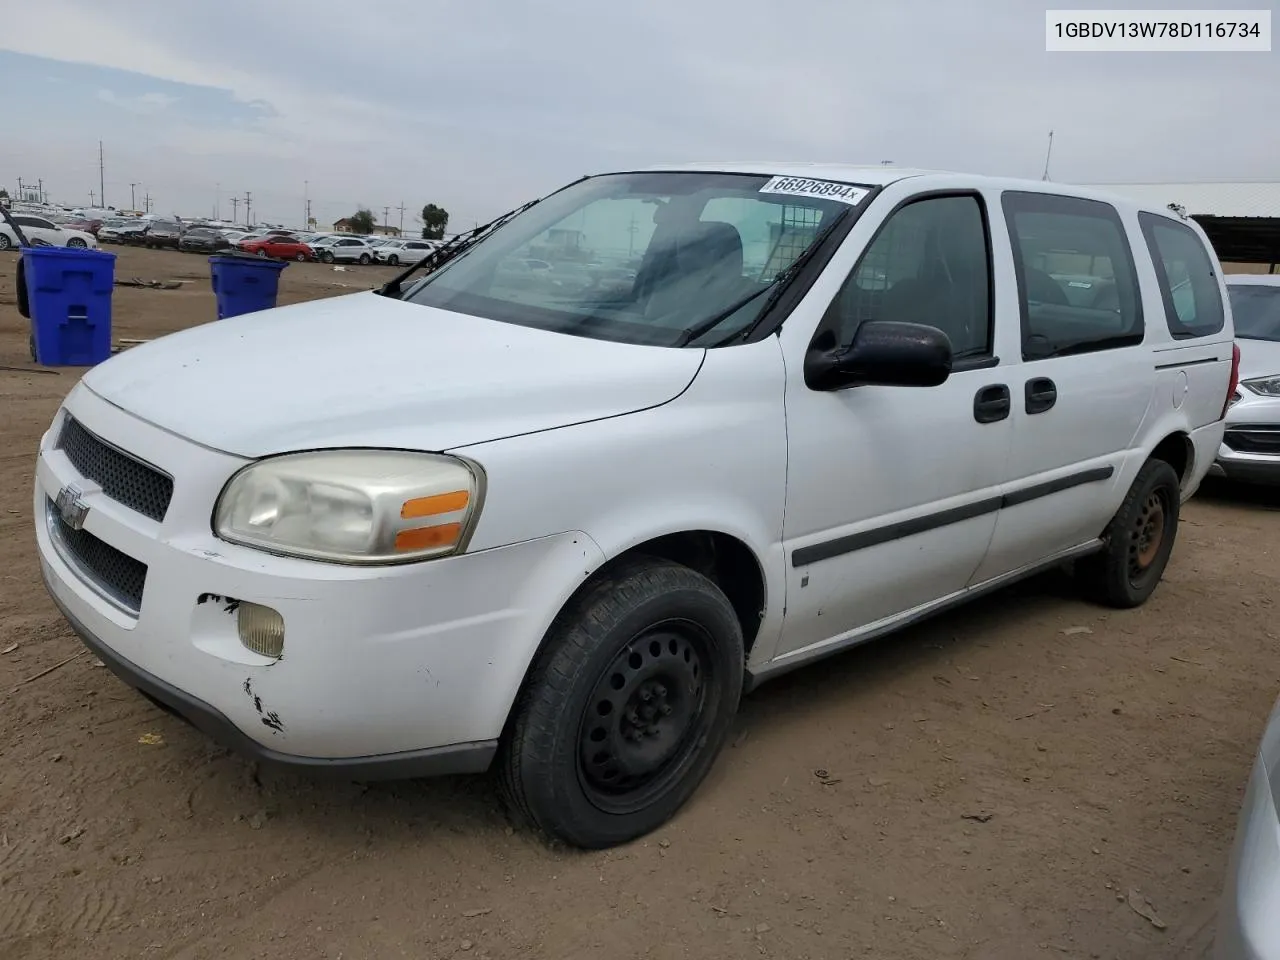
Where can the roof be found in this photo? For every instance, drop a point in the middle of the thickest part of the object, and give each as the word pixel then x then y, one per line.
pixel 1258 279
pixel 873 175
pixel 1219 198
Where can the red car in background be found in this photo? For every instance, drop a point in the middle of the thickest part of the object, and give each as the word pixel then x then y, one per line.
pixel 278 248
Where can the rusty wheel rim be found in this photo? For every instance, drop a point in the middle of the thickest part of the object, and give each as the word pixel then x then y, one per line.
pixel 1148 534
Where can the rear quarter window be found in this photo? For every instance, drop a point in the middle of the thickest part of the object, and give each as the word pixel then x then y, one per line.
pixel 1188 278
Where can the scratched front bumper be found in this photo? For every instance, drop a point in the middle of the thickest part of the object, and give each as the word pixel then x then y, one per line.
pixel 378 662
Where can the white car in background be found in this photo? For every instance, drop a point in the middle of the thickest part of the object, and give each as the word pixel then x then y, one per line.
pixel 396 252
pixel 1251 446
pixel 45 230
pixel 342 250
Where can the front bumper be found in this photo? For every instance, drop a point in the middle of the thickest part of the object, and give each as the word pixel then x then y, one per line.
pixel 388 672
pixel 1249 916
pixel 1250 450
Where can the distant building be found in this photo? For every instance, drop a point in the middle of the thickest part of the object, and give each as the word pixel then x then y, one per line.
pixel 344 226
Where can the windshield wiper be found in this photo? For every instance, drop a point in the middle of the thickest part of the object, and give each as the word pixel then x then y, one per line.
pixel 456 245
pixel 711 323
pixel 774 289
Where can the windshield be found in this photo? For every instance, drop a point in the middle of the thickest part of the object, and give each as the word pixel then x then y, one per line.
pixel 649 258
pixel 1256 310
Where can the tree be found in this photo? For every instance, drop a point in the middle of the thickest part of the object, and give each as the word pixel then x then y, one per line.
pixel 362 221
pixel 434 220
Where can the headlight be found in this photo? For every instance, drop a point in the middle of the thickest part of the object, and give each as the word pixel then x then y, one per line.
pixel 1264 386
pixel 352 506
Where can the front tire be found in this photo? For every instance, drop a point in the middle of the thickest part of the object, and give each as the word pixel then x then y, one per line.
pixel 327 257
pixel 365 259
pixel 393 260
pixel 627 705
pixel 76 242
pixel 5 242
pixel 1139 541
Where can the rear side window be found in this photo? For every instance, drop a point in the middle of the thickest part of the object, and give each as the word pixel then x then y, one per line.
pixel 1188 280
pixel 1077 285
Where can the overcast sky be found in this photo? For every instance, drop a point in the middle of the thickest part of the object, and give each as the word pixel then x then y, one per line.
pixel 481 106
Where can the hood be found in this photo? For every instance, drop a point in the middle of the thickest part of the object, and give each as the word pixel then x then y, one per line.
pixel 366 370
pixel 1258 358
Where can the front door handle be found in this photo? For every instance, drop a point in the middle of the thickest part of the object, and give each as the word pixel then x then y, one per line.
pixel 1042 393
pixel 991 403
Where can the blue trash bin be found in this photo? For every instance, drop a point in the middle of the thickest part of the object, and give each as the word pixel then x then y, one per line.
pixel 245 284
pixel 69 293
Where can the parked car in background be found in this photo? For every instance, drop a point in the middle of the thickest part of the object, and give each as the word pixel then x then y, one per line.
pixel 44 230
pixel 203 240
pixel 162 233
pixel 403 251
pixel 235 236
pixel 84 225
pixel 135 234
pixel 343 250
pixel 277 248
pixel 110 230
pixel 1250 448
pixel 1249 912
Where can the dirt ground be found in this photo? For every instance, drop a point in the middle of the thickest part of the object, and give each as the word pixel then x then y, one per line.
pixel 996 781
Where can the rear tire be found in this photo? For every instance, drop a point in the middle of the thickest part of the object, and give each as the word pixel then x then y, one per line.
pixel 327 257
pixel 626 707
pixel 365 259
pixel 5 242
pixel 1139 539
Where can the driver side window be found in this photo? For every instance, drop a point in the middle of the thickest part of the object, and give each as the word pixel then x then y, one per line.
pixel 930 263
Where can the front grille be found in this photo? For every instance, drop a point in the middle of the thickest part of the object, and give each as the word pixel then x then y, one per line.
pixel 124 479
pixel 115 575
pixel 1254 438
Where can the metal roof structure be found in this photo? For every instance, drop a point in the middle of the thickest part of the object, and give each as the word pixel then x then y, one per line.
pixel 1241 198
pixel 1241 217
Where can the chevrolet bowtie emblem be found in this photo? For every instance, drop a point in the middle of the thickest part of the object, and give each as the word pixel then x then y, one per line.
pixel 71 508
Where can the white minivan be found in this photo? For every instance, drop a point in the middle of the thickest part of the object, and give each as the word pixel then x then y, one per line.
pixel 470 520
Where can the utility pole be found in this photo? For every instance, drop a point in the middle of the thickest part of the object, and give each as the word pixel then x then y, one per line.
pixel 146 202
pixel 401 209
pixel 386 215
pixel 248 216
pixel 91 196
pixel 1047 154
pixel 235 203
pixel 21 197
pixel 40 188
pixel 102 176
pixel 306 204
pixel 217 200
pixel 133 196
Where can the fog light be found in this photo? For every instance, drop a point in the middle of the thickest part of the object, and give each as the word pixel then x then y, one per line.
pixel 261 629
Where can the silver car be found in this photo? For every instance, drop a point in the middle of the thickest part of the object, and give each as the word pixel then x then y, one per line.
pixel 1249 916
pixel 1250 448
pixel 343 250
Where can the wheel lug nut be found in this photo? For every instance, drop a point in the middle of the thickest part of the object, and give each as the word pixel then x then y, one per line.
pixel 665 709
pixel 646 695
pixel 660 690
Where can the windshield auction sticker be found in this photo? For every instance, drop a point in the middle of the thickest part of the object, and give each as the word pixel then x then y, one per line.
pixel 823 189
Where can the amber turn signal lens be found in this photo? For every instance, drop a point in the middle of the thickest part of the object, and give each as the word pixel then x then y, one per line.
pixel 435 505
pixel 428 538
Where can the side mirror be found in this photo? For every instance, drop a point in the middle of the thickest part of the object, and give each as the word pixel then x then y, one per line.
pixel 884 353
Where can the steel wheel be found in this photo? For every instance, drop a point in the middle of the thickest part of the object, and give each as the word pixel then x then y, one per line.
pixel 635 733
pixel 1147 534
